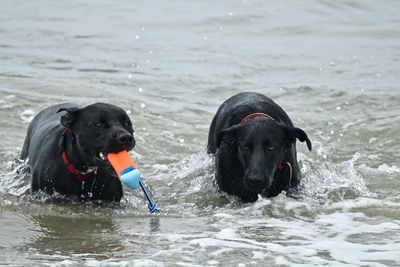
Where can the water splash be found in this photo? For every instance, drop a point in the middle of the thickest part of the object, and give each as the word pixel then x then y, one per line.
pixel 15 178
pixel 326 181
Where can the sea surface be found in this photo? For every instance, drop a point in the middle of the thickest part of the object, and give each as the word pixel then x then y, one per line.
pixel 332 65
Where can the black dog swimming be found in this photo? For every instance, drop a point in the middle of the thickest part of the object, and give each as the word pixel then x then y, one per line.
pixel 254 142
pixel 66 146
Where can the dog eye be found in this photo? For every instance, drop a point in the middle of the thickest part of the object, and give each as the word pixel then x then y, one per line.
pixel 98 124
pixel 270 147
pixel 126 123
pixel 245 148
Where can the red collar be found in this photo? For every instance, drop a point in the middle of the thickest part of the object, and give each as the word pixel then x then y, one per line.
pixel 80 175
pixel 255 115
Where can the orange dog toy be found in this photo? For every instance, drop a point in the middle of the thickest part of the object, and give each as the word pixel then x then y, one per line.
pixel 125 168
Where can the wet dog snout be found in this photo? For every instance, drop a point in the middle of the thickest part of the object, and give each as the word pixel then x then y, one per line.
pixel 255 182
pixel 125 139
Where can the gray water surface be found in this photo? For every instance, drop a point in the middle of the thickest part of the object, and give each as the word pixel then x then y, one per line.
pixel 332 65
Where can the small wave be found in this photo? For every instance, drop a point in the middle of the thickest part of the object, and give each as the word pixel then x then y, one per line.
pixel 326 181
pixel 189 184
pixel 389 169
pixel 98 70
pixel 27 115
pixel 329 239
pixel 15 179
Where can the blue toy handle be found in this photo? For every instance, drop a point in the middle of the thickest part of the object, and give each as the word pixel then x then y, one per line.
pixel 131 178
pixel 152 206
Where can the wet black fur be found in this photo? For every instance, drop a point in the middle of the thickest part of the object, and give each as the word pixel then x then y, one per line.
pixel 247 155
pixel 96 128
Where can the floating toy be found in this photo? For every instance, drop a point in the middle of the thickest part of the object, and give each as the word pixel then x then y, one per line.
pixel 129 174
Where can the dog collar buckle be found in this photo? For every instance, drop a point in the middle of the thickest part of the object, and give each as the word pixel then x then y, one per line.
pixel 91 169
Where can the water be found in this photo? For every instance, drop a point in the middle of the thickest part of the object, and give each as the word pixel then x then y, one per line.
pixel 332 65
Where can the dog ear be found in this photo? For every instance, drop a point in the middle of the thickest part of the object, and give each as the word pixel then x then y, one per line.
pixel 69 118
pixel 229 134
pixel 294 132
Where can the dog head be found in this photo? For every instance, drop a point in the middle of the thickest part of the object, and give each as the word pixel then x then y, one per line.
pixel 259 145
pixel 98 129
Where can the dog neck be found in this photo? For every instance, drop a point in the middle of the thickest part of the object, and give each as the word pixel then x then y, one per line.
pixel 282 165
pixel 66 148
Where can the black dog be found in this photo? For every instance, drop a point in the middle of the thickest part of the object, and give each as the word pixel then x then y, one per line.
pixel 255 146
pixel 66 153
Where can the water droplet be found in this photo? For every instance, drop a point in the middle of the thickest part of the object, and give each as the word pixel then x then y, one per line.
pixel 140 89
pixel 128 111
pixel 205 37
pixel 142 105
pixel 338 108
pixel 137 37
pixel 230 13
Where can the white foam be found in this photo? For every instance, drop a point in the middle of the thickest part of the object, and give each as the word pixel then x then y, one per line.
pixel 331 239
pixel 323 180
pixel 27 115
pixel 362 202
pixel 160 167
pixel 65 263
pixel 214 242
pixel 226 233
pixel 389 169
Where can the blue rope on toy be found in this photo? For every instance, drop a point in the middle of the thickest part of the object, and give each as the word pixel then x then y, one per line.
pixel 152 206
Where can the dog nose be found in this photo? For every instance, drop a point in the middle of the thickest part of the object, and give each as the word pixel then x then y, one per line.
pixel 256 183
pixel 126 139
